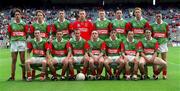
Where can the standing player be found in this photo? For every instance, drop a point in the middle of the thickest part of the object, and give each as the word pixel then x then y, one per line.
pixel 62 25
pixel 41 25
pixel 17 30
pixel 160 32
pixel 120 25
pixel 83 25
pixel 96 52
pixel 38 46
pixel 113 54
pixel 79 53
pixel 138 24
pixel 131 49
pixel 149 55
pixel 60 50
pixel 103 25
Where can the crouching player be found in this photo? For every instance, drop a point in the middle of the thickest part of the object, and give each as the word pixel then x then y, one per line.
pixel 60 50
pixel 38 47
pixel 113 51
pixel 149 56
pixel 96 51
pixel 131 48
pixel 79 53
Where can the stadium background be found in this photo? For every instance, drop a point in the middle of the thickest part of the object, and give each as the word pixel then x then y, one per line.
pixel 171 14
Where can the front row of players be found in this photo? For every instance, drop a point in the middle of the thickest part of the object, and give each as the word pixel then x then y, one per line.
pixel 129 55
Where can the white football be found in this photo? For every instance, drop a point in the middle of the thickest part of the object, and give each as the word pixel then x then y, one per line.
pixel 80 76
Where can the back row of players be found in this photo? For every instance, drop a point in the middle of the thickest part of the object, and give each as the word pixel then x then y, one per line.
pixel 82 42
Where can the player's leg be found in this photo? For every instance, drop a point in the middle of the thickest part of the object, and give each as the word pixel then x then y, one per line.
pixel 28 68
pixel 71 63
pixel 13 65
pixel 51 64
pixel 142 64
pixel 43 72
pixel 64 62
pixel 127 68
pixel 100 67
pixel 121 65
pixel 164 57
pixel 135 70
pixel 85 61
pixel 22 58
pixel 107 63
pixel 92 66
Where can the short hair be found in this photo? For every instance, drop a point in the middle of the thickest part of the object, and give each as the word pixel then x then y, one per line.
pixel 101 10
pixel 61 10
pixel 137 8
pixel 40 11
pixel 119 10
pixel 81 10
pixel 14 11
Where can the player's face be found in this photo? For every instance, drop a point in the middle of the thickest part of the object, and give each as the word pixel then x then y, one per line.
pixel 82 14
pixel 137 13
pixel 37 34
pixel 119 14
pixel 59 35
pixel 148 34
pixel 40 16
pixel 113 34
pixel 61 14
pixel 95 34
pixel 77 33
pixel 130 35
pixel 17 15
pixel 158 17
pixel 101 14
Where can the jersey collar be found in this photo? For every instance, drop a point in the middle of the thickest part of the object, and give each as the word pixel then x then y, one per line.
pixel 103 19
pixel 119 19
pixel 147 39
pixel 62 21
pixel 19 22
pixel 111 38
pixel 160 23
pixel 140 18
pixel 36 40
pixel 60 41
pixel 128 40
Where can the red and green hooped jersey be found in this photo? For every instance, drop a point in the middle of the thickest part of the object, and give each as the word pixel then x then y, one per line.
pixel 121 28
pixel 17 31
pixel 62 26
pixel 103 27
pixel 96 47
pixel 79 47
pixel 160 32
pixel 113 47
pixel 149 47
pixel 85 27
pixel 131 48
pixel 38 48
pixel 59 48
pixel 138 27
pixel 44 29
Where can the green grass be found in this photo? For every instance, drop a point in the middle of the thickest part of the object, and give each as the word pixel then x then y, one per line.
pixel 171 84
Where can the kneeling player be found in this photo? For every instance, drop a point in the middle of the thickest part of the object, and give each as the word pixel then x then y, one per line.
pixel 79 53
pixel 113 51
pixel 97 49
pixel 38 47
pixel 149 56
pixel 60 50
pixel 131 55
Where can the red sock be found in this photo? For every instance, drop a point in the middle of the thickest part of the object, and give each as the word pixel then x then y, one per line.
pixel 127 72
pixel 42 74
pixel 93 72
pixel 29 74
pixel 63 72
pixel 164 71
pixel 72 73
pixel 99 71
pixel 84 71
pixel 33 73
pixel 110 72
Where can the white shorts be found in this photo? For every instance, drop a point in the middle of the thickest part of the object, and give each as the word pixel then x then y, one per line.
pixel 130 58
pixel 17 46
pixel 113 58
pixel 37 60
pixel 149 57
pixel 78 59
pixel 163 48
pixel 59 60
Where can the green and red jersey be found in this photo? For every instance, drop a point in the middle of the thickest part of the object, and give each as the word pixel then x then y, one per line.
pixel 160 32
pixel 131 48
pixel 38 48
pixel 103 27
pixel 113 47
pixel 62 26
pixel 85 27
pixel 138 27
pixel 59 48
pixel 96 47
pixel 121 28
pixel 79 48
pixel 149 47
pixel 17 31
pixel 44 28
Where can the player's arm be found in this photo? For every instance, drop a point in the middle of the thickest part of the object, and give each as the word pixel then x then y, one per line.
pixel 69 49
pixel 155 52
pixel 47 48
pixel 87 47
pixel 30 47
